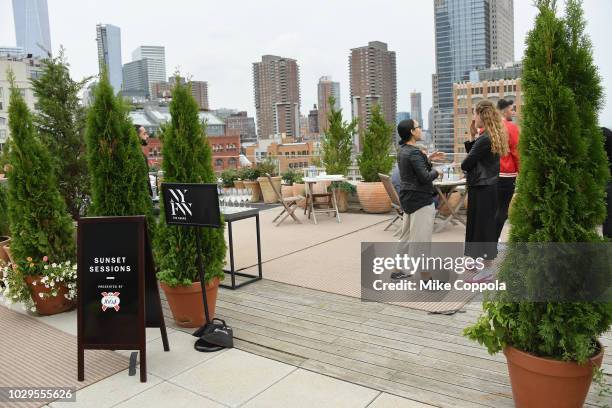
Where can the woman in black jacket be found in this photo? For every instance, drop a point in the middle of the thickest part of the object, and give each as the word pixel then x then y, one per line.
pixel 482 170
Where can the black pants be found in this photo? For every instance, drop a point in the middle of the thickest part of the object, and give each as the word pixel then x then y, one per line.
pixel 480 231
pixel 505 191
pixel 607 226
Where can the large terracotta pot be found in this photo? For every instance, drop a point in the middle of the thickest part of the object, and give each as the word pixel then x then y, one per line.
pixel 238 184
pixel 7 251
pixel 342 200
pixel 255 190
pixel 373 197
pixel 286 191
pixel 266 188
pixel 453 200
pixel 545 383
pixel 300 190
pixel 4 242
pixel 187 305
pixel 48 305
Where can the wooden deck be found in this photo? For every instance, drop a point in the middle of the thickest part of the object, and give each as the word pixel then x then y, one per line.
pixel 389 348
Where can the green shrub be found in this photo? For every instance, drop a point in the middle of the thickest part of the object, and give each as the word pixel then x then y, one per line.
pixel 249 173
pixel 228 177
pixel 377 144
pixel 344 186
pixel 337 144
pixel 290 177
pixel 187 159
pixel 40 223
pixel 268 166
pixel 4 220
pixel 559 192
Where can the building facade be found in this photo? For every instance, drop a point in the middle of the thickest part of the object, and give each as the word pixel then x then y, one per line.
pixel 288 154
pixel 156 65
pixel 108 38
pixel 467 95
pixel 32 27
pixel 244 124
pixel 17 52
pixel 416 111
pixel 463 38
pixel 326 88
pixel 403 116
pixel 136 79
pixel 373 82
pixel 24 69
pixel 199 90
pixel 276 85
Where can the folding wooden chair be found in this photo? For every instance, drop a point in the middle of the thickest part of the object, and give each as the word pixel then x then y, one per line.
pixel 395 201
pixel 289 204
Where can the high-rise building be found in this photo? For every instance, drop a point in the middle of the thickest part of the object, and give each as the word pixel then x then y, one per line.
pixel 373 82
pixel 32 27
pixel 108 38
pixel 136 78
pixel 244 124
pixel 327 88
pixel 276 84
pixel 17 52
pixel 402 116
pixel 416 112
pixel 156 65
pixel 313 120
pixel 199 90
pixel 464 33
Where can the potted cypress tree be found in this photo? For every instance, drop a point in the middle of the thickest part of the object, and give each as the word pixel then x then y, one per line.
pixel 375 158
pixel 336 148
pixel 36 211
pixel 187 159
pixel 552 345
pixel 270 167
pixel 249 175
pixel 4 224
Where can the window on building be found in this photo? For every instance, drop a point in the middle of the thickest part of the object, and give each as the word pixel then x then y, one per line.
pixel 232 162
pixel 219 163
pixel 2 121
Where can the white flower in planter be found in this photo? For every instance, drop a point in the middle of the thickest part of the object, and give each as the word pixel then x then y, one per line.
pixel 54 265
pixel 52 283
pixel 46 267
pixel 33 309
pixel 40 295
pixel 33 283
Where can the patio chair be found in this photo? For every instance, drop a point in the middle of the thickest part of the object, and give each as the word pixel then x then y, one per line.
pixel 289 204
pixel 395 201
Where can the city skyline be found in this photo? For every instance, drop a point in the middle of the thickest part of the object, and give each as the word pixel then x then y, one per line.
pixel 230 47
pixel 31 19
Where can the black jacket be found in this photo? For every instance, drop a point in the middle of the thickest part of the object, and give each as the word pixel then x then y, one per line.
pixel 481 164
pixel 417 176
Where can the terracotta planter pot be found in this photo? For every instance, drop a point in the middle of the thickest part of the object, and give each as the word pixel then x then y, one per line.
pixel 453 200
pixel 4 242
pixel 186 302
pixel 266 188
pixel 48 305
pixel 300 190
pixel 541 382
pixel 238 184
pixel 287 191
pixel 342 199
pixel 7 251
pixel 373 197
pixel 256 190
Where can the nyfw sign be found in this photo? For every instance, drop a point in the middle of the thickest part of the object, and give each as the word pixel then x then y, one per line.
pixel 191 204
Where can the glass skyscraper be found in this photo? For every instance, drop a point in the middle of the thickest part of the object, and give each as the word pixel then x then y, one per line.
pixel 464 32
pixel 32 27
pixel 108 38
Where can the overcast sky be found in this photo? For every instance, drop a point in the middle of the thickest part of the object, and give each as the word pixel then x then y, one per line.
pixel 217 41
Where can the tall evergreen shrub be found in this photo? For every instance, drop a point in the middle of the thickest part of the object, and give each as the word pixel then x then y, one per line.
pixel 60 119
pixel 337 144
pixel 117 168
pixel 559 193
pixel 40 223
pixel 187 159
pixel 377 147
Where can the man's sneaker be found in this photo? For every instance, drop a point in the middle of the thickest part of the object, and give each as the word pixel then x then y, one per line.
pixel 399 275
pixel 484 276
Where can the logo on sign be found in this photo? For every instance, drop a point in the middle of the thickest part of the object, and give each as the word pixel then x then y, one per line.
pixel 110 300
pixel 178 205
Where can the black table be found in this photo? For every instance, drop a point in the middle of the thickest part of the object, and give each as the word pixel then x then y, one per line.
pixel 230 215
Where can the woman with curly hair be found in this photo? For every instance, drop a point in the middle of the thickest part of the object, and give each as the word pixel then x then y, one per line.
pixel 482 171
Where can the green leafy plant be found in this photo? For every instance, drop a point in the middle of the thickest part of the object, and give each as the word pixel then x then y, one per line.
pixel 117 167
pixel 561 101
pixel 290 177
pixel 377 144
pixel 343 186
pixel 187 159
pixel 60 120
pixel 4 218
pixel 228 177
pixel 268 166
pixel 337 144
pixel 37 213
pixel 249 173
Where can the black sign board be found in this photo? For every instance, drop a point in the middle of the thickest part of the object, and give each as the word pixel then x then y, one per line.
pixel 191 204
pixel 118 295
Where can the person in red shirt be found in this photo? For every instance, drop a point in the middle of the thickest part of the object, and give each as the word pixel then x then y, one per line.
pixel 508 166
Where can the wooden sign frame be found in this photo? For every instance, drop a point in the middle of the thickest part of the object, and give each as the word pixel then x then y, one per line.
pixel 149 313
